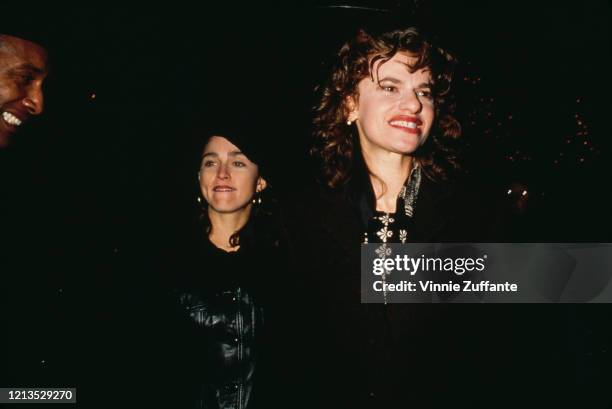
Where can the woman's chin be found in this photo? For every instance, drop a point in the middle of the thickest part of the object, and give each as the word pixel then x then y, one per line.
pixel 228 208
pixel 407 148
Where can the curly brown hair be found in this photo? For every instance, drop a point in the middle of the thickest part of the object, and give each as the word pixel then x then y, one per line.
pixel 336 142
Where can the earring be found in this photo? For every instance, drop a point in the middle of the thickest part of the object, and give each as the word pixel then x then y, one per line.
pixel 349 122
pixel 201 203
pixel 257 198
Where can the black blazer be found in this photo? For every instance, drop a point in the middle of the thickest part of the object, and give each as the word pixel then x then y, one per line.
pixel 398 355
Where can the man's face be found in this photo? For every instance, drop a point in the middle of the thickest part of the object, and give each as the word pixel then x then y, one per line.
pixel 23 68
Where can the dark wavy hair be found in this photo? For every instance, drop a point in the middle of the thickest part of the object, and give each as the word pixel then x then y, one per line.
pixel 336 143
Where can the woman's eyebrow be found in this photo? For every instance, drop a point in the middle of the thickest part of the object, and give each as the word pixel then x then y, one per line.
pixel 390 79
pixel 216 155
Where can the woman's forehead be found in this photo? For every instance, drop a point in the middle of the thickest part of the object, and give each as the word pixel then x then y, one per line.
pixel 401 64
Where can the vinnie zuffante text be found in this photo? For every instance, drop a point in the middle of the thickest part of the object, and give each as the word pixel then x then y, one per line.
pixel 458 266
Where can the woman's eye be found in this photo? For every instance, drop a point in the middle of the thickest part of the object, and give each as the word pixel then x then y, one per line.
pixel 389 88
pixel 424 93
pixel 239 164
pixel 209 163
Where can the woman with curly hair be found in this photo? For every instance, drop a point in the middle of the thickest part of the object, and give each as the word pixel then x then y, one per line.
pixel 387 142
pixel 384 126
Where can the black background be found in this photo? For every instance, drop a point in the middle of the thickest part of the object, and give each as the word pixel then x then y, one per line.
pixel 107 176
pixel 528 74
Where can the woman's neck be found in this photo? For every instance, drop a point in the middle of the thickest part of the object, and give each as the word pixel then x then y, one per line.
pixel 391 170
pixel 224 225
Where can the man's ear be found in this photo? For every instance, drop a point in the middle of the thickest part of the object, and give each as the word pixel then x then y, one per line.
pixel 261 184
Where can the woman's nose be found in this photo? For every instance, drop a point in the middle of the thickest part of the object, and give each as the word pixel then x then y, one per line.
pixel 222 172
pixel 410 102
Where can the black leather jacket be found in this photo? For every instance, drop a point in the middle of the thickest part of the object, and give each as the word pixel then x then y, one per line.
pixel 229 321
pixel 220 294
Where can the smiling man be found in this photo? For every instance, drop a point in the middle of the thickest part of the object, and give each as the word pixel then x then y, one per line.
pixel 23 69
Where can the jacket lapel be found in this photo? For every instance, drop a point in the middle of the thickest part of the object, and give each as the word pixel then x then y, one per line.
pixel 342 219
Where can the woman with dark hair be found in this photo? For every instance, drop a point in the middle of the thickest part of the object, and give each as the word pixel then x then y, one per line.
pixel 387 141
pixel 223 283
pixel 384 127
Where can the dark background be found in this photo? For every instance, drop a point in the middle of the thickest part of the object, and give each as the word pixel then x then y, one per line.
pixel 533 93
pixel 105 173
